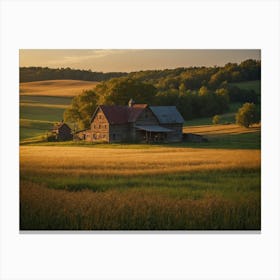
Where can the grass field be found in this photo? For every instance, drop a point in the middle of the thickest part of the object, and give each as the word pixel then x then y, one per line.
pixel 254 85
pixel 62 88
pixel 36 119
pixel 226 118
pixel 89 186
pixel 43 103
pixel 147 188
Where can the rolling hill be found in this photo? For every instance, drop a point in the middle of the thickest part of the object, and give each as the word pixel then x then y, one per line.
pixel 42 103
pixel 62 88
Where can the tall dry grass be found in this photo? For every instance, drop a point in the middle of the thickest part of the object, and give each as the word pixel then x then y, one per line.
pixel 106 161
pixel 155 188
pixel 42 208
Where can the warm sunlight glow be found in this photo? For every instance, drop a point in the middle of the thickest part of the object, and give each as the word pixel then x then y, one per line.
pixel 132 60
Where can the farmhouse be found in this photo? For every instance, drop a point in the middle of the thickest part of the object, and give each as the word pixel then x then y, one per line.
pixel 134 123
pixel 61 132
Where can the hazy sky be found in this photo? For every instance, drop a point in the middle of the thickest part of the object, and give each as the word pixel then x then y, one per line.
pixel 132 60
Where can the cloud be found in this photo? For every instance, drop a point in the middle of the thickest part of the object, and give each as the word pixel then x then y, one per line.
pixel 81 56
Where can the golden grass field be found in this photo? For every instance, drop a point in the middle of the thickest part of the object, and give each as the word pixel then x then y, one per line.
pixel 85 186
pixel 138 188
pixel 106 161
pixel 221 129
pixel 63 88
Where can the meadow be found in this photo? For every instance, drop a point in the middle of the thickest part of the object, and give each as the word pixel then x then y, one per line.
pixel 96 186
pixel 249 85
pixel 162 188
pixel 43 103
pixel 62 88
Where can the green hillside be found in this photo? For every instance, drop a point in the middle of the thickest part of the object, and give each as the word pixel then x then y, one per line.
pixel 250 85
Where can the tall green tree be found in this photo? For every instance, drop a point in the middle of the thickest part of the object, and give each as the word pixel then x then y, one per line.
pixel 120 91
pixel 82 108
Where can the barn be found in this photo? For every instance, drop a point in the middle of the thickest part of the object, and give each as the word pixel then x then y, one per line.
pixel 135 123
pixel 61 132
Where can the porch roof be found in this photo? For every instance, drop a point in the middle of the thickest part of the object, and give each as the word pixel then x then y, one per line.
pixel 153 128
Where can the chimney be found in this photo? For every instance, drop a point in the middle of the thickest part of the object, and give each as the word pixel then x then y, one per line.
pixel 131 102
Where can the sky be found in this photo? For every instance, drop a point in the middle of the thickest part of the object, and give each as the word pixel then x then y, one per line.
pixel 131 60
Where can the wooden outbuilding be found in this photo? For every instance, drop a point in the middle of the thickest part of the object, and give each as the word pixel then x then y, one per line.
pixel 62 132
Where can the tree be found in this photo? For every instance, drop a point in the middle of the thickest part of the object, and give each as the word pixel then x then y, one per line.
pixel 82 108
pixel 247 115
pixel 120 91
pixel 216 119
pixel 203 91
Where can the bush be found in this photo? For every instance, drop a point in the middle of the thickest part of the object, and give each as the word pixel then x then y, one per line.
pixel 216 119
pixel 247 115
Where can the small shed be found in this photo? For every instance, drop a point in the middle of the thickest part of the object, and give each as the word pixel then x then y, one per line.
pixel 62 132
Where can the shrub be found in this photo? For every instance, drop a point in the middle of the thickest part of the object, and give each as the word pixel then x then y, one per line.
pixel 216 119
pixel 247 115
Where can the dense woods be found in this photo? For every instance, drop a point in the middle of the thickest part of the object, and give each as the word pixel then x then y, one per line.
pixel 195 91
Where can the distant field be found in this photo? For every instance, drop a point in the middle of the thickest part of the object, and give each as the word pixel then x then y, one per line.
pixel 221 129
pixel 62 88
pixel 43 103
pixel 37 119
pixel 33 128
pixel 148 188
pixel 254 85
pixel 228 117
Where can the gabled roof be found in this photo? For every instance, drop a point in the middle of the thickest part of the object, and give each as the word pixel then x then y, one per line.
pixel 121 114
pixel 135 111
pixel 167 114
pixel 115 114
pixel 59 125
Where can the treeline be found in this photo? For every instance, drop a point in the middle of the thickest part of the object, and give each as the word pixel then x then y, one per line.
pixel 196 92
pixel 196 103
pixel 31 74
pixel 196 77
pixel 180 78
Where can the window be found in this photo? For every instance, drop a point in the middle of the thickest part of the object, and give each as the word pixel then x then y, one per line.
pixel 99 126
pixel 114 136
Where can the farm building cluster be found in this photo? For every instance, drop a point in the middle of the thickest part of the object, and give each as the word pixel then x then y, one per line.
pixel 134 123
pixel 131 123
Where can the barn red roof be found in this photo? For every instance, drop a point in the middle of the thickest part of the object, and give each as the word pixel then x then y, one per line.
pixel 115 114
pixel 121 114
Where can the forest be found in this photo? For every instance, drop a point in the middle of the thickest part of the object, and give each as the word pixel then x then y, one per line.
pixel 196 91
